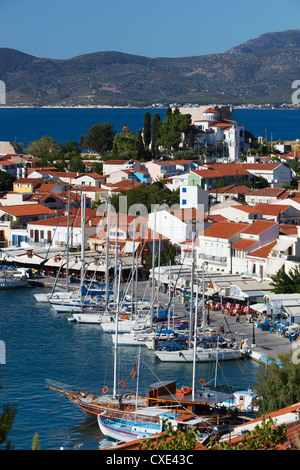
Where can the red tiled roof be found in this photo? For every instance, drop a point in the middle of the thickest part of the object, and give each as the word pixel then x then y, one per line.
pixel 211 110
pixel 263 251
pixel 217 217
pixel 261 166
pixel 123 185
pixel 272 192
pixel 288 229
pixel 219 171
pixel 243 244
pixel 231 189
pixel 27 210
pixel 187 214
pixel 26 180
pixel 259 226
pixel 224 229
pixel 250 210
pixel 271 209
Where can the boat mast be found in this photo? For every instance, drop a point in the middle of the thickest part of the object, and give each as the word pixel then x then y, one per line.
pixel 153 263
pixel 137 380
pixel 68 235
pixel 195 342
pixel 203 300
pixel 116 258
pixel 83 204
pixel 158 276
pixel 107 254
pixel 192 288
pixel 116 332
pixel 133 265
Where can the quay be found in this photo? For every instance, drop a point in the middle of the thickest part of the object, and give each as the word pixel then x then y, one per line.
pixel 262 346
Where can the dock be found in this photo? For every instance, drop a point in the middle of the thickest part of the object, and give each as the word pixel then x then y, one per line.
pixel 261 345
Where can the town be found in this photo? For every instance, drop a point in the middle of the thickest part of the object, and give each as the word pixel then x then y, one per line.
pixel 225 218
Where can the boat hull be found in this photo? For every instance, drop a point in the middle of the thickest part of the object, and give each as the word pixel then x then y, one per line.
pixel 202 355
pixel 125 432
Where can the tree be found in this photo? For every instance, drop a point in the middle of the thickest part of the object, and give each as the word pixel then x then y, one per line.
pixel 6 181
pixel 171 439
pixel 156 131
pixel 45 150
pixel 147 129
pixel 124 143
pixel 265 436
pixel 278 386
pixel 284 283
pixel 6 421
pixel 100 138
pixel 172 128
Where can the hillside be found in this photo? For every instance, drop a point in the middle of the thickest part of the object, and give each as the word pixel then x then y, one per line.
pixel 260 70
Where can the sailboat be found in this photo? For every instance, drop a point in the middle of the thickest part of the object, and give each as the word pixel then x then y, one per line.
pixel 205 350
pixel 167 406
pixel 93 402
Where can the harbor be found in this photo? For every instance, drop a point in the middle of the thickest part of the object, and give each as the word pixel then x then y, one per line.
pixel 261 343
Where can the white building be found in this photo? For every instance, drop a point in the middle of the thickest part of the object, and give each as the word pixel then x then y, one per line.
pixel 224 136
pixel 177 224
pixel 276 174
pixel 193 196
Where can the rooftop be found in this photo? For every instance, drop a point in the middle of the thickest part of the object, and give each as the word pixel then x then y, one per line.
pixel 224 230
pixel 259 226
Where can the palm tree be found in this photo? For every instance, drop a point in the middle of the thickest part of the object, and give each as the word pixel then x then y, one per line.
pixel 284 283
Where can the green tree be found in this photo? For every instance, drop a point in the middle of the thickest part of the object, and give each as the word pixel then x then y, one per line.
pixel 100 138
pixel 266 436
pixel 148 195
pixel 139 146
pixel 36 445
pixel 171 439
pixel 278 386
pixel 124 143
pixel 156 132
pixel 6 422
pixel 286 283
pixel 172 128
pixel 147 129
pixel 46 150
pixel 6 181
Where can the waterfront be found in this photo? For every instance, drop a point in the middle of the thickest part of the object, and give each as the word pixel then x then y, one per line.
pixel 41 344
pixel 68 124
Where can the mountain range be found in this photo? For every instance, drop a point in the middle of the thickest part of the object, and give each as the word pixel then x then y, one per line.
pixel 260 70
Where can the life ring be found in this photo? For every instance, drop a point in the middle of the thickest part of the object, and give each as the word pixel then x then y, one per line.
pixel 123 383
pixel 185 389
pixel 105 389
pixel 202 382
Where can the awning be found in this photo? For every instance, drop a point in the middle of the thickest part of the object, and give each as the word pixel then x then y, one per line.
pixel 259 307
pixel 273 266
pixel 283 245
pixel 128 248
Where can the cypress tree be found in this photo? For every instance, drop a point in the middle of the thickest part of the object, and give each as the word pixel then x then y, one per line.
pixel 147 129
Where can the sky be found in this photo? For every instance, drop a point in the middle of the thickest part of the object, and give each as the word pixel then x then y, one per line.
pixel 61 29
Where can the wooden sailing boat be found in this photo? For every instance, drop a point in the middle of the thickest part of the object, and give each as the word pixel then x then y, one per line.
pixel 92 402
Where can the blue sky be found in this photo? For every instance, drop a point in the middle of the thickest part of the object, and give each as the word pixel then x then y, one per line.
pixel 158 28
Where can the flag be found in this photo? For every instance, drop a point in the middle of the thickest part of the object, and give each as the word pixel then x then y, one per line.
pixel 134 370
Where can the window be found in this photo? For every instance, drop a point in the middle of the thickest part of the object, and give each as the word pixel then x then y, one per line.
pixel 183 189
pixel 183 202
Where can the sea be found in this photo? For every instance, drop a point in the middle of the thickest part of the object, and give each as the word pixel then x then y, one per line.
pixel 68 124
pixel 37 344
pixel 41 344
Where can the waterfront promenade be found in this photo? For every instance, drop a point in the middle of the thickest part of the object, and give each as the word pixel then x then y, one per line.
pixel 270 345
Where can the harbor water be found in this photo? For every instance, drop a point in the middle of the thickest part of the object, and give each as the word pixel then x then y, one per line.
pixel 42 344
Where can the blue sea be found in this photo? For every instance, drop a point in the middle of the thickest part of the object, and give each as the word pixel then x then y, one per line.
pixel 42 344
pixel 28 124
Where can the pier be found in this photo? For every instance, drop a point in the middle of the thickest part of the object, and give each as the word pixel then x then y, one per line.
pixel 261 345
